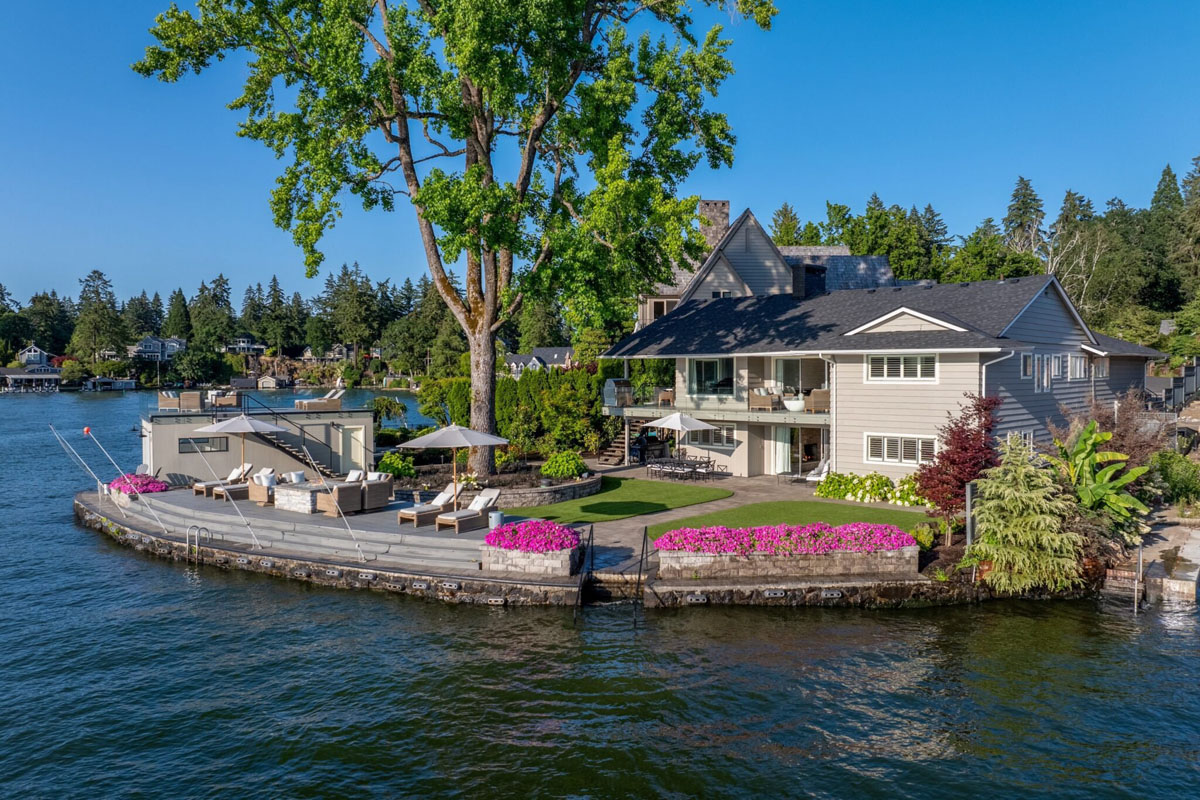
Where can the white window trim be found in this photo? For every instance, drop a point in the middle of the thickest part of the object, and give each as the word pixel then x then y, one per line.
pixel 937 369
pixel 1038 374
pixel 1083 376
pixel 905 311
pixel 1096 363
pixel 1028 356
pixel 901 436
pixel 729 442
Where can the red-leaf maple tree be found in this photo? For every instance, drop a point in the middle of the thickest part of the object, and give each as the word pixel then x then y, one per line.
pixel 967 449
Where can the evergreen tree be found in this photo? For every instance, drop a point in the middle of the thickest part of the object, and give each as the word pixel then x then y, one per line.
pixel 785 226
pixel 1023 223
pixel 51 321
pixel 810 235
pixel 138 315
pixel 212 315
pixel 1019 511
pixel 178 322
pixel 539 325
pixel 1163 287
pixel 253 309
pixel 157 314
pixel 7 301
pixel 406 298
pixel 99 326
pixel 276 317
pixel 1187 250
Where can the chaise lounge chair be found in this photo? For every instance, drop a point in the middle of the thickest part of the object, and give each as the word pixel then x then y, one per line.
pixel 427 512
pixel 472 517
pixel 330 402
pixel 205 487
pixel 168 401
pixel 819 472
pixel 191 401
pixel 304 401
pixel 241 490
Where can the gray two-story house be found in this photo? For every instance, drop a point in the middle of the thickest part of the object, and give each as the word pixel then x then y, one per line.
pixel 798 374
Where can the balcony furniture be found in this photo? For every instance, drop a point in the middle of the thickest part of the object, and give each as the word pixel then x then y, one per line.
pixel 818 402
pixel 469 518
pixel 168 401
pixel 345 498
pixel 426 513
pixel 665 397
pixel 191 401
pixel 762 399
pixel 793 403
pixel 241 489
pixel 230 400
pixel 377 490
pixel 302 404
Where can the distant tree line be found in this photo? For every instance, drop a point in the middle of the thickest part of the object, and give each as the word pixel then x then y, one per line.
pixel 1125 268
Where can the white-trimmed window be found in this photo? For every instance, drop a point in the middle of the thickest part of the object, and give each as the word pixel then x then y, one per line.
pixel 1100 368
pixel 1038 375
pixel 885 448
pixel 717 295
pixel 1026 366
pixel 710 376
pixel 1047 372
pixel 1056 367
pixel 902 368
pixel 1079 368
pixel 722 436
pixel 1024 436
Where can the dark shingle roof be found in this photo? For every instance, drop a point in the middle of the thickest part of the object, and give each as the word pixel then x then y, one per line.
pixel 783 323
pixel 553 356
pixel 843 271
pixel 1120 347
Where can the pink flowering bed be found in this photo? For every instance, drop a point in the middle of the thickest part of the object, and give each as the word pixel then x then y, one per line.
pixel 783 540
pixel 533 536
pixel 139 484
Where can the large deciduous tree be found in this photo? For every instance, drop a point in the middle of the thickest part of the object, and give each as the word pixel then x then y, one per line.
pixel 540 143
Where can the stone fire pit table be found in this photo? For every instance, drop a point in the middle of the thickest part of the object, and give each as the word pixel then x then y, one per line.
pixel 298 497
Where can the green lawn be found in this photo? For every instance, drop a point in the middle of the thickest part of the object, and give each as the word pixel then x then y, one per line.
pixel 624 497
pixel 795 512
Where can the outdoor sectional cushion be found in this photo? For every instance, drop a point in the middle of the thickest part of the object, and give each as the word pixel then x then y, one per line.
pixel 377 476
pixel 296 477
pixel 354 476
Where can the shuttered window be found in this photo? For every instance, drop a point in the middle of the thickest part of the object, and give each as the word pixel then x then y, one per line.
pixel 896 449
pixel 902 368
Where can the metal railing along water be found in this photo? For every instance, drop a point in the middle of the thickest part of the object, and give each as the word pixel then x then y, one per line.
pixel 216 477
pixel 362 557
pixel 87 432
pixel 78 459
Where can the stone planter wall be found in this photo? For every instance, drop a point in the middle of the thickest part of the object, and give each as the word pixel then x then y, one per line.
pixel 683 564
pixel 557 563
pixel 538 495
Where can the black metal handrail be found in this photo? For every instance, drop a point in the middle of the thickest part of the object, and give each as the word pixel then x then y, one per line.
pixel 282 419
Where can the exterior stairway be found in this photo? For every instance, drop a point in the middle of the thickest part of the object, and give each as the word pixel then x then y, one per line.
pixel 614 454
pixel 298 454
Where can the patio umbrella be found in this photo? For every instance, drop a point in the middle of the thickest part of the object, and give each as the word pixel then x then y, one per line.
pixel 241 425
pixel 680 423
pixel 454 437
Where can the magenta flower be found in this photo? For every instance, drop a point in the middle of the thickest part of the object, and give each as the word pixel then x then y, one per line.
pixel 138 484
pixel 782 540
pixel 533 536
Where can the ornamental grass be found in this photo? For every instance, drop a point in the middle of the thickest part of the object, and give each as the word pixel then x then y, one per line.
pixel 533 536
pixel 785 540
pixel 138 484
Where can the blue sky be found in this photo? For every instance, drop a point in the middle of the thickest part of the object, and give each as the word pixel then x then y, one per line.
pixel 944 103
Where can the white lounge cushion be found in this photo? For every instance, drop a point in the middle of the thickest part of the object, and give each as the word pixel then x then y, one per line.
pixel 268 480
pixel 354 476
pixel 461 514
pixel 377 476
pixel 296 477
pixel 423 509
pixel 235 474
pixel 442 499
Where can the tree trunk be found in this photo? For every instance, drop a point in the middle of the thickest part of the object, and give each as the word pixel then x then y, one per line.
pixel 483 397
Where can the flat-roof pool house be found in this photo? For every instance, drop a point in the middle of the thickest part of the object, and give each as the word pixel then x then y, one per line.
pixel 795 371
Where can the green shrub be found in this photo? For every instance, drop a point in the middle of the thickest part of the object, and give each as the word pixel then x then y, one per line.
pixel 388 437
pixel 906 493
pixel 397 466
pixel 1180 474
pixel 924 534
pixel 505 458
pixel 566 464
pixel 870 488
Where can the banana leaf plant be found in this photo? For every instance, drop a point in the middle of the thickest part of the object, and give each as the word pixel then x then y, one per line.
pixel 1097 474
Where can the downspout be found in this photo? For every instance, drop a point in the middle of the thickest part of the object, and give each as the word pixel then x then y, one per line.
pixel 832 412
pixel 983 371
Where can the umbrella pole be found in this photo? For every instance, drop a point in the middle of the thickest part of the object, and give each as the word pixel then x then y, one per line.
pixel 243 438
pixel 454 472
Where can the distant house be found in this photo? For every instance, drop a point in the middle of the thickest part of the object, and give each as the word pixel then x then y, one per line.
pixel 540 358
pixel 274 382
pixel 338 352
pixel 157 348
pixel 34 356
pixel 108 384
pixel 245 344
pixel 243 383
pixel 37 378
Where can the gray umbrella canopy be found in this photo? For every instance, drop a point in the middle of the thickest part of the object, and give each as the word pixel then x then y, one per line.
pixel 454 437
pixel 241 425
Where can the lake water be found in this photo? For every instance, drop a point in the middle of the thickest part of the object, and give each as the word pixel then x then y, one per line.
pixel 122 675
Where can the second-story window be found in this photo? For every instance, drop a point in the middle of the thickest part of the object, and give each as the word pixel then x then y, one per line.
pixel 710 376
pixel 902 368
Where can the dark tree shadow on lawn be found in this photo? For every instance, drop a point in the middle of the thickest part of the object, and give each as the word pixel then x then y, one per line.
pixel 628 508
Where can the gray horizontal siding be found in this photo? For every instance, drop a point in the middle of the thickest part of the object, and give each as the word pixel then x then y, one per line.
pixel 753 256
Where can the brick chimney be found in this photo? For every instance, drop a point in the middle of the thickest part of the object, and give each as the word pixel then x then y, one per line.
pixel 714 222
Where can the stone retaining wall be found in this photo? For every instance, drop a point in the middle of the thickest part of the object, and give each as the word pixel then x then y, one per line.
pixel 538 495
pixel 557 563
pixel 682 564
